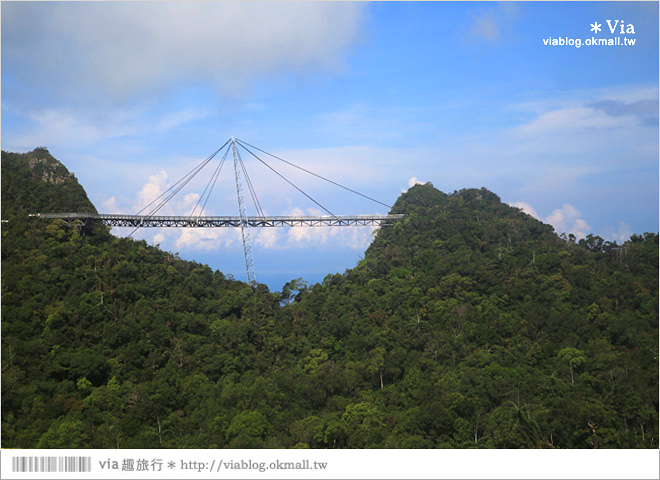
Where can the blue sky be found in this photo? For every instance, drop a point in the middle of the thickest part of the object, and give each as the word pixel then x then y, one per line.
pixel 377 96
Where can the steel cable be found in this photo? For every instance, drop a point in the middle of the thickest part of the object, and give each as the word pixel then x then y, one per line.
pixel 287 180
pixel 242 143
pixel 210 184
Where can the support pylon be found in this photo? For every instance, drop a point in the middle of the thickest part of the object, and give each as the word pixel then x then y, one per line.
pixel 247 249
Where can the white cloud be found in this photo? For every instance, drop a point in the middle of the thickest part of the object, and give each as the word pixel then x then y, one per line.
pixel 110 206
pixel 627 94
pixel 207 239
pixel 121 48
pixel 335 237
pixel 492 21
pixel 485 27
pixel 568 220
pixel 201 239
pixel 561 216
pixel 564 220
pixel 589 120
pixel 189 201
pixel 76 126
pixel 154 187
pixel 158 238
pixel 412 182
pixel 527 208
pixel 575 118
pixel 55 127
pixel 354 238
pixel 624 233
pixel 72 69
pixel 175 119
pixel 268 238
pixel 580 228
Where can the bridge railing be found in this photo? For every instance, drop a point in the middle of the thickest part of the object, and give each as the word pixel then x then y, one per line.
pixel 123 220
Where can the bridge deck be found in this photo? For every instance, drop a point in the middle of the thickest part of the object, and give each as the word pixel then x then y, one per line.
pixel 120 220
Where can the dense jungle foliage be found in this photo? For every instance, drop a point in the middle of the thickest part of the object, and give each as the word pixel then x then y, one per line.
pixel 468 325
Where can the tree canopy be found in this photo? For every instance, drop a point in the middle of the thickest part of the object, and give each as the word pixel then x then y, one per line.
pixel 467 325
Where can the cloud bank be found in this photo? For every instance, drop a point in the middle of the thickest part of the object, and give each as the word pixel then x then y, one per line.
pixel 123 49
pixel 567 219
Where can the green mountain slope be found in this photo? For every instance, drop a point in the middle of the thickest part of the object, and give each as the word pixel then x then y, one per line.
pixel 515 337
pixel 37 182
pixel 467 325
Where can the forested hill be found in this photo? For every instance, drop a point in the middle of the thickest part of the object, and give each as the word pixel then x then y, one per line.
pixel 467 325
pixel 37 182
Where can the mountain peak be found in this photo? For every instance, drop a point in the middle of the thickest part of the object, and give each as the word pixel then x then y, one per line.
pixel 47 168
pixel 426 195
pixel 468 222
pixel 477 194
pixel 36 182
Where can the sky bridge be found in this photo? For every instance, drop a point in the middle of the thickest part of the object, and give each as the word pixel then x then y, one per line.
pixel 148 217
pixel 146 221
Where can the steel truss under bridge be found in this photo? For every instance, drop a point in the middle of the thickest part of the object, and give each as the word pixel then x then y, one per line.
pixel 144 221
pixel 147 217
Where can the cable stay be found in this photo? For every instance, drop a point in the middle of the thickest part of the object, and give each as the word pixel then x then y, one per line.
pixel 186 178
pixel 197 219
pixel 209 186
pixel 177 187
pixel 253 192
pixel 206 194
pixel 242 143
pixel 288 181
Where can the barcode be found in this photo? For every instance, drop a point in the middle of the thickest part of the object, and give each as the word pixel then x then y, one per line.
pixel 51 464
